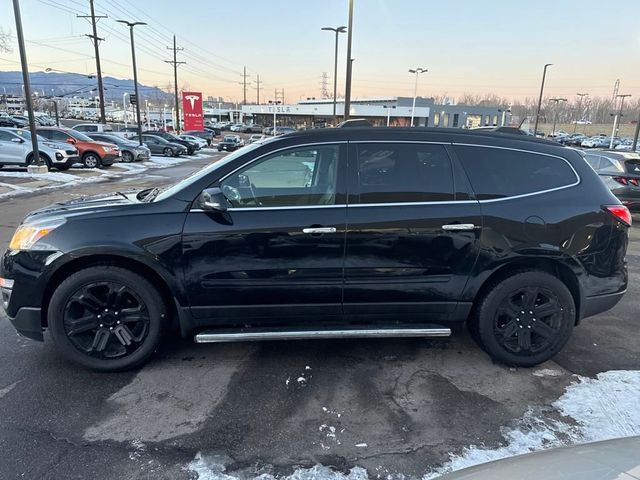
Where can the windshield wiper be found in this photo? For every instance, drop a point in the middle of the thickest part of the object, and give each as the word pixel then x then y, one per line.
pixel 153 193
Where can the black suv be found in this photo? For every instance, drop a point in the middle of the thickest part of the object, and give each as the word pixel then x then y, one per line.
pixel 357 232
pixel 169 137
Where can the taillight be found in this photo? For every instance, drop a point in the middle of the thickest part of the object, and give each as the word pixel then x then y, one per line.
pixel 621 180
pixel 621 213
pixel 633 181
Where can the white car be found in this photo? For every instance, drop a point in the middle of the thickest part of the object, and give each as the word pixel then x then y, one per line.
pixel 16 148
pixel 238 127
pixel 256 138
pixel 201 142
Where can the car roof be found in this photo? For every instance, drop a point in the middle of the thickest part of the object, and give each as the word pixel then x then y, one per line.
pixel 446 135
pixel 615 154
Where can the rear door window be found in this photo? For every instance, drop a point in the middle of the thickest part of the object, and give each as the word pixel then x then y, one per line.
pixel 404 172
pixel 500 173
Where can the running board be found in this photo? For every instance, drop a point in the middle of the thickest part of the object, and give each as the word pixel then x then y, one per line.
pixel 213 336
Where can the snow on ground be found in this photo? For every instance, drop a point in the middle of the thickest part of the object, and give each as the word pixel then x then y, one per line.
pixel 589 410
pixel 59 179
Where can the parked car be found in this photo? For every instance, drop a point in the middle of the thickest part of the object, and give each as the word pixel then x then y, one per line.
pixel 238 127
pixel 253 128
pixel 206 135
pixel 230 143
pixel 131 151
pixel 159 146
pixel 93 154
pixel 200 142
pixel 20 121
pixel 191 147
pixel 93 128
pixel 9 122
pixel 284 130
pixel 610 459
pixel 267 131
pixel 576 138
pixel 16 149
pixel 620 171
pixel 596 142
pixel 256 138
pixel 518 237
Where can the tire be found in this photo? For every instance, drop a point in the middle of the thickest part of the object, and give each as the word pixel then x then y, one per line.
pixel 524 319
pixel 168 152
pixel 96 298
pixel 43 157
pixel 127 157
pixel 91 160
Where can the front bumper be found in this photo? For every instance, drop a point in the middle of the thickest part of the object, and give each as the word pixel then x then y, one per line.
pixel 28 323
pixel 110 158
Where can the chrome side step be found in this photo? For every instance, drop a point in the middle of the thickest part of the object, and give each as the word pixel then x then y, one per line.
pixel 213 336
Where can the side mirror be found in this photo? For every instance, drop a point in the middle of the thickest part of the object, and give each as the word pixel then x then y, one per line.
pixel 17 140
pixel 212 199
pixel 243 180
pixel 71 140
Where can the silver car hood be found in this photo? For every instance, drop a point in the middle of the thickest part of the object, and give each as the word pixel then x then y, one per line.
pixel 617 459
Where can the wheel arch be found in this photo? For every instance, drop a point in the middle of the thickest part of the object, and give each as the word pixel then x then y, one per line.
pixel 88 152
pixel 555 267
pixel 41 153
pixel 128 263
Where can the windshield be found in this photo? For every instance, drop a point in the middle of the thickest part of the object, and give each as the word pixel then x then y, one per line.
pixel 203 172
pixel 80 136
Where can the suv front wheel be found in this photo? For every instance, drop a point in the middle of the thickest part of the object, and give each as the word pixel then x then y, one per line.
pixel 91 160
pixel 106 318
pixel 525 319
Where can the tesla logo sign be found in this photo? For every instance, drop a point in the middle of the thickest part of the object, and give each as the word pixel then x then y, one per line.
pixel 192 110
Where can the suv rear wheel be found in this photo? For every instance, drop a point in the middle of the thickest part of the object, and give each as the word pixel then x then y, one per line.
pixel 524 319
pixel 106 318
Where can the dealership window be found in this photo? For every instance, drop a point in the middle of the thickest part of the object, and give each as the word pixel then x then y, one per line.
pixel 527 172
pixel 403 172
pixel 456 119
pixel 436 119
pixel 295 177
pixel 495 120
pixel 445 120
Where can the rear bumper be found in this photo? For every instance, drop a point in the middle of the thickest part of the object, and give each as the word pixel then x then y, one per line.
pixel 600 303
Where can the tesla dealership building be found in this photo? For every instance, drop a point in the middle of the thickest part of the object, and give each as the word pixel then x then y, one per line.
pixel 396 111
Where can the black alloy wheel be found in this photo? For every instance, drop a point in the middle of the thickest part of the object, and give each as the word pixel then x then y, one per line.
pixel 106 318
pixel 524 319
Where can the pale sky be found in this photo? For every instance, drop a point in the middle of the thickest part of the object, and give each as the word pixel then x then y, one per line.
pixel 468 46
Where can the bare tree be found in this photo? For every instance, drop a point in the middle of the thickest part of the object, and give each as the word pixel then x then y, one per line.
pixel 5 42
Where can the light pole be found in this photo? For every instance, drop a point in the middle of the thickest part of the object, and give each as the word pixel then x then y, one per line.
pixel 146 102
pixel 274 103
pixel 135 73
pixel 544 74
pixel 219 114
pixel 617 117
pixel 337 31
pixel 581 95
pixel 37 165
pixel 388 107
pixel 164 117
pixel 555 113
pixel 347 88
pixel 417 71
pixel 125 110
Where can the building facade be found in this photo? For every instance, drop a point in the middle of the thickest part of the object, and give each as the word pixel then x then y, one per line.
pixel 380 111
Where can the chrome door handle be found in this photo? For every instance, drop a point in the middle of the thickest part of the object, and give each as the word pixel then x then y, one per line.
pixel 319 230
pixel 458 227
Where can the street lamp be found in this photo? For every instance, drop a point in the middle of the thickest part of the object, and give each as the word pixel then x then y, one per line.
pixel 337 31
pixel 125 110
pixel 219 114
pixel 555 113
pixel 146 101
pixel 164 117
pixel 618 116
pixel 388 107
pixel 544 74
pixel 581 95
pixel 135 73
pixel 274 103
pixel 417 71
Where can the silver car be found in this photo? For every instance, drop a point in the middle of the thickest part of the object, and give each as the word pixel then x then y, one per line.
pixel 16 149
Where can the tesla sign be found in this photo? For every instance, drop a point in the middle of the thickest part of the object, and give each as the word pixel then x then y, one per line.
pixel 192 108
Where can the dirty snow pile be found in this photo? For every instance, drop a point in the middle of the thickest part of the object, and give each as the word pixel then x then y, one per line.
pixel 591 409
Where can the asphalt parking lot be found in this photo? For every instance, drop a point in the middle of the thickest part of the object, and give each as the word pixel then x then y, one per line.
pixel 322 409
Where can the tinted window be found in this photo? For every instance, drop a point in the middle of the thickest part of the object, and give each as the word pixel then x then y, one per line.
pixel 404 172
pixel 56 135
pixel 5 136
pixel 497 173
pixel 294 177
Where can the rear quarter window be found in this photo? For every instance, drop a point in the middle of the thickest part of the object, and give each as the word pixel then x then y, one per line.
pixel 500 173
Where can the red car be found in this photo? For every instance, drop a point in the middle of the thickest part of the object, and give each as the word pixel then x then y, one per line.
pixel 93 154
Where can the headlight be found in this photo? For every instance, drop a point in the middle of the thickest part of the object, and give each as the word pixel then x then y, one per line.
pixel 28 234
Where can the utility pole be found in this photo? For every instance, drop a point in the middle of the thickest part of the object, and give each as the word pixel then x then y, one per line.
pixel 244 85
pixel 135 73
pixel 544 75
pixel 258 88
pixel 96 42
pixel 618 116
pixel 37 165
pixel 175 64
pixel 347 88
